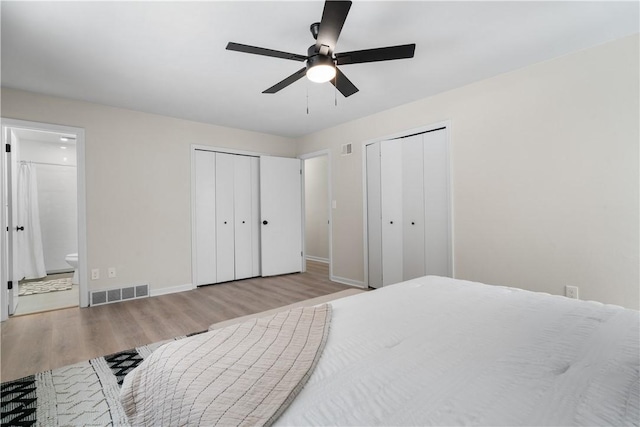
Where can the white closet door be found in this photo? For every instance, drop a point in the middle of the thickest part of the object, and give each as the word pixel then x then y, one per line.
pixel 205 217
pixel 224 217
pixel 391 186
pixel 436 193
pixel 413 207
pixel 242 216
pixel 255 216
pixel 374 216
pixel 281 211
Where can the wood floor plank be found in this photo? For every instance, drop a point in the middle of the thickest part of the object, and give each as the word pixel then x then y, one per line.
pixel 65 348
pixel 49 340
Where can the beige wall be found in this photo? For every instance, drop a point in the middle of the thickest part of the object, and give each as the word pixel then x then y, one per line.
pixel 316 201
pixel 138 183
pixel 544 166
pixel 545 171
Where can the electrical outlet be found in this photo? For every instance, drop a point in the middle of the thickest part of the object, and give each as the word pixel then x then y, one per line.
pixel 571 292
pixel 111 272
pixel 95 274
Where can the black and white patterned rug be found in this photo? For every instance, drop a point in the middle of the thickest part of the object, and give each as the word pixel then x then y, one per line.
pixel 83 394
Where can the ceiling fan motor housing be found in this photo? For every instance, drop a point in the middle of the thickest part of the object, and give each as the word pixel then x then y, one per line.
pixel 315 57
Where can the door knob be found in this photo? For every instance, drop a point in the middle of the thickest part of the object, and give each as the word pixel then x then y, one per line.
pixel 20 228
pixel 265 222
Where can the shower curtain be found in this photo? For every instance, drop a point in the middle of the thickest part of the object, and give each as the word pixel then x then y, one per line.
pixel 29 240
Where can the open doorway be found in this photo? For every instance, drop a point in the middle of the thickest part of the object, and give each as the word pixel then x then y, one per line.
pixel 43 218
pixel 317 213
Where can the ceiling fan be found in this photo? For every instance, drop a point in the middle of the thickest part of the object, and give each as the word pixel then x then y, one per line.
pixel 321 61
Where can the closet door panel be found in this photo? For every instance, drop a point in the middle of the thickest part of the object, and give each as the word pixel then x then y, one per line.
pixel 413 252
pixel 437 214
pixel 391 200
pixel 205 218
pixel 224 217
pixel 242 216
pixel 255 216
pixel 374 216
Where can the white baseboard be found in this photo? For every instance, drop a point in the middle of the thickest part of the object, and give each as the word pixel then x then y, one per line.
pixel 349 282
pixel 317 259
pixel 171 290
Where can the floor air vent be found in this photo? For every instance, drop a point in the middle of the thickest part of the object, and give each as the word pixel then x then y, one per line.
pixel 119 294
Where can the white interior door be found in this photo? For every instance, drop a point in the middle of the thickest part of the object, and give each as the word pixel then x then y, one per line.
pixel 205 217
pixel 413 207
pixel 391 186
pixel 436 194
pixel 281 212
pixel 14 266
pixel 374 216
pixel 242 216
pixel 4 241
pixel 225 240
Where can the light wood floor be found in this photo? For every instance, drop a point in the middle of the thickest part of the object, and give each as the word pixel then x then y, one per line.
pixel 38 342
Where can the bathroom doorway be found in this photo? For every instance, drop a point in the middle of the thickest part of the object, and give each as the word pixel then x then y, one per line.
pixel 317 213
pixel 43 182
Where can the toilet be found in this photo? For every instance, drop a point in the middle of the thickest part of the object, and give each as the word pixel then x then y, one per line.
pixel 72 260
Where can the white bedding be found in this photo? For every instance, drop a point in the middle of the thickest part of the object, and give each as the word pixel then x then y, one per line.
pixel 438 351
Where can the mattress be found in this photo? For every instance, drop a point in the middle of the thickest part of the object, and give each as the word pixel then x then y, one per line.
pixel 439 351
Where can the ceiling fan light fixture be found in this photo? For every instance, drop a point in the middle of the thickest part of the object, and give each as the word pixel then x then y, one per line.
pixel 320 69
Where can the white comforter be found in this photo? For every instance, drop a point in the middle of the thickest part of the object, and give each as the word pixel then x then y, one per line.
pixel 437 351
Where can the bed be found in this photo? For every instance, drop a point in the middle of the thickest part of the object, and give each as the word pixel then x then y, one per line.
pixel 439 351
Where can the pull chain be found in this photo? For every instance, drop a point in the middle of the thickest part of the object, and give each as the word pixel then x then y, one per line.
pixel 307 98
pixel 335 90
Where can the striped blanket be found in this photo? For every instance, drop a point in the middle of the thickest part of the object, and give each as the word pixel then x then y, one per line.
pixel 245 374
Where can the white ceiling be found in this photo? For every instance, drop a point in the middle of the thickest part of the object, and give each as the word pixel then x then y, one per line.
pixel 169 58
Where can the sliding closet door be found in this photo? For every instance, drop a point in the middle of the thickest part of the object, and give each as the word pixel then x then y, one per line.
pixel 408 208
pixel 225 246
pixel 281 211
pixel 374 216
pixel 391 201
pixel 413 207
pixel 436 194
pixel 205 215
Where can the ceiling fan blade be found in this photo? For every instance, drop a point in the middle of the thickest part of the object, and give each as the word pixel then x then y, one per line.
pixel 333 17
pixel 374 55
pixel 265 52
pixel 343 84
pixel 286 82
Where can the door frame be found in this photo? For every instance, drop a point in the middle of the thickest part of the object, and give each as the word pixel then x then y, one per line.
pixel 325 152
pixel 6 125
pixel 430 127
